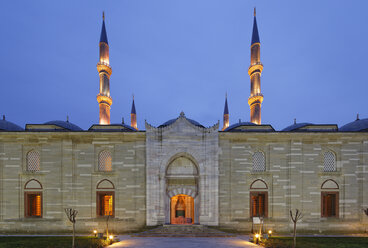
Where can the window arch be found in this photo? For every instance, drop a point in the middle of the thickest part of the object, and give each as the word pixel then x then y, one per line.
pixel 329 199
pixel 105 198
pixel 258 199
pixel 104 161
pixel 33 161
pixel 259 161
pixel 33 199
pixel 329 161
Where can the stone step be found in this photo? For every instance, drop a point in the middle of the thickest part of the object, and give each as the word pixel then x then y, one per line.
pixel 183 231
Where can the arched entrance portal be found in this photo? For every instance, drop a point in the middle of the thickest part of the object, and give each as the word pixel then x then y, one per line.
pixel 182 210
pixel 182 202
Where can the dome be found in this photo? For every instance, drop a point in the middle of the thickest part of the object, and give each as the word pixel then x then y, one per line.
pixel 169 122
pixel 355 126
pixel 64 124
pixel 238 125
pixel 296 126
pixel 9 126
pixel 124 126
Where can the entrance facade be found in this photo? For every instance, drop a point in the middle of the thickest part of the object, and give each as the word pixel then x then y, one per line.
pixel 182 173
pixel 182 210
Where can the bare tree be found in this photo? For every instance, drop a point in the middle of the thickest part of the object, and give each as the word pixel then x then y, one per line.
pixel 72 214
pixel 295 218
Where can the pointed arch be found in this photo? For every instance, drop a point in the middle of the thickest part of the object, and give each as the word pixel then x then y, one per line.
pixel 330 184
pixel 33 184
pixel 258 184
pixel 105 184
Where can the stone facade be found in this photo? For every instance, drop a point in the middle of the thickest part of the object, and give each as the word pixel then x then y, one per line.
pixel 69 177
pixel 294 176
pixel 182 157
pixel 199 145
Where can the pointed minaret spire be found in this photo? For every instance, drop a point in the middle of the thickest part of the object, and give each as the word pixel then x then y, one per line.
pixel 133 116
pixel 226 115
pixel 254 71
pixel 255 35
pixel 103 37
pixel 104 70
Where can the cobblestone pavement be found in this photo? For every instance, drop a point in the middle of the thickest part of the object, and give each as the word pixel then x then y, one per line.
pixel 163 242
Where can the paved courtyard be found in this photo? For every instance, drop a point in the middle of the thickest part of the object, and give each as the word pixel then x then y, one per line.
pixel 166 242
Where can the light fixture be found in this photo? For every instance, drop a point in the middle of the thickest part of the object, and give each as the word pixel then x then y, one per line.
pixel 95 232
pixel 111 237
pixel 270 232
pixel 257 236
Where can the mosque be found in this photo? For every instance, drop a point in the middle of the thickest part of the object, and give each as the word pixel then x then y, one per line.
pixel 182 173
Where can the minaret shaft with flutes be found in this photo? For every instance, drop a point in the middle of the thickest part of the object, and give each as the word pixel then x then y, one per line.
pixel 104 70
pixel 254 71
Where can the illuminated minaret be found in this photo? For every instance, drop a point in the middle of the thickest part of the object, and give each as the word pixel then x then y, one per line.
pixel 254 71
pixel 226 115
pixel 104 70
pixel 133 116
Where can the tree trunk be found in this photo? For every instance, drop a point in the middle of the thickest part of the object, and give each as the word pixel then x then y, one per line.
pixel 294 235
pixel 73 244
pixel 107 227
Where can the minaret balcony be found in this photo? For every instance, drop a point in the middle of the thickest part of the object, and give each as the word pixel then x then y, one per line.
pixel 103 66
pixel 255 67
pixel 255 98
pixel 104 99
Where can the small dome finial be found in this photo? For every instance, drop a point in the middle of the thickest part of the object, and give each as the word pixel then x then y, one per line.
pixel 239 120
pixel 182 114
pixel 67 118
pixel 122 120
pixel 357 117
pixel 103 15
pixel 294 121
pixel 254 11
pixel 3 117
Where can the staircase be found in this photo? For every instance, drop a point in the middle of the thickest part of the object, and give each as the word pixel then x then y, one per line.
pixel 183 231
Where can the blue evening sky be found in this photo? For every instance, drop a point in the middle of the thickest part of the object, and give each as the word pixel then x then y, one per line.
pixel 184 56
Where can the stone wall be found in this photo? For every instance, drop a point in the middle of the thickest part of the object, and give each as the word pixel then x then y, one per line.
pixel 200 145
pixel 294 175
pixel 69 176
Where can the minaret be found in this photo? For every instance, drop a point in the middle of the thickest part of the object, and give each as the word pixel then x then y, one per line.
pixel 226 115
pixel 254 71
pixel 104 71
pixel 133 116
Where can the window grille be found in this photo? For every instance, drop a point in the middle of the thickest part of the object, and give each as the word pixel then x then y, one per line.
pixel 104 161
pixel 33 161
pixel 330 204
pixel 105 203
pixel 258 204
pixel 33 204
pixel 259 161
pixel 329 162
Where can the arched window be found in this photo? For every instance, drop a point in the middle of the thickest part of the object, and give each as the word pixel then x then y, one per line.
pixel 259 162
pixel 33 161
pixel 33 199
pixel 258 199
pixel 329 161
pixel 105 198
pixel 104 161
pixel 329 199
